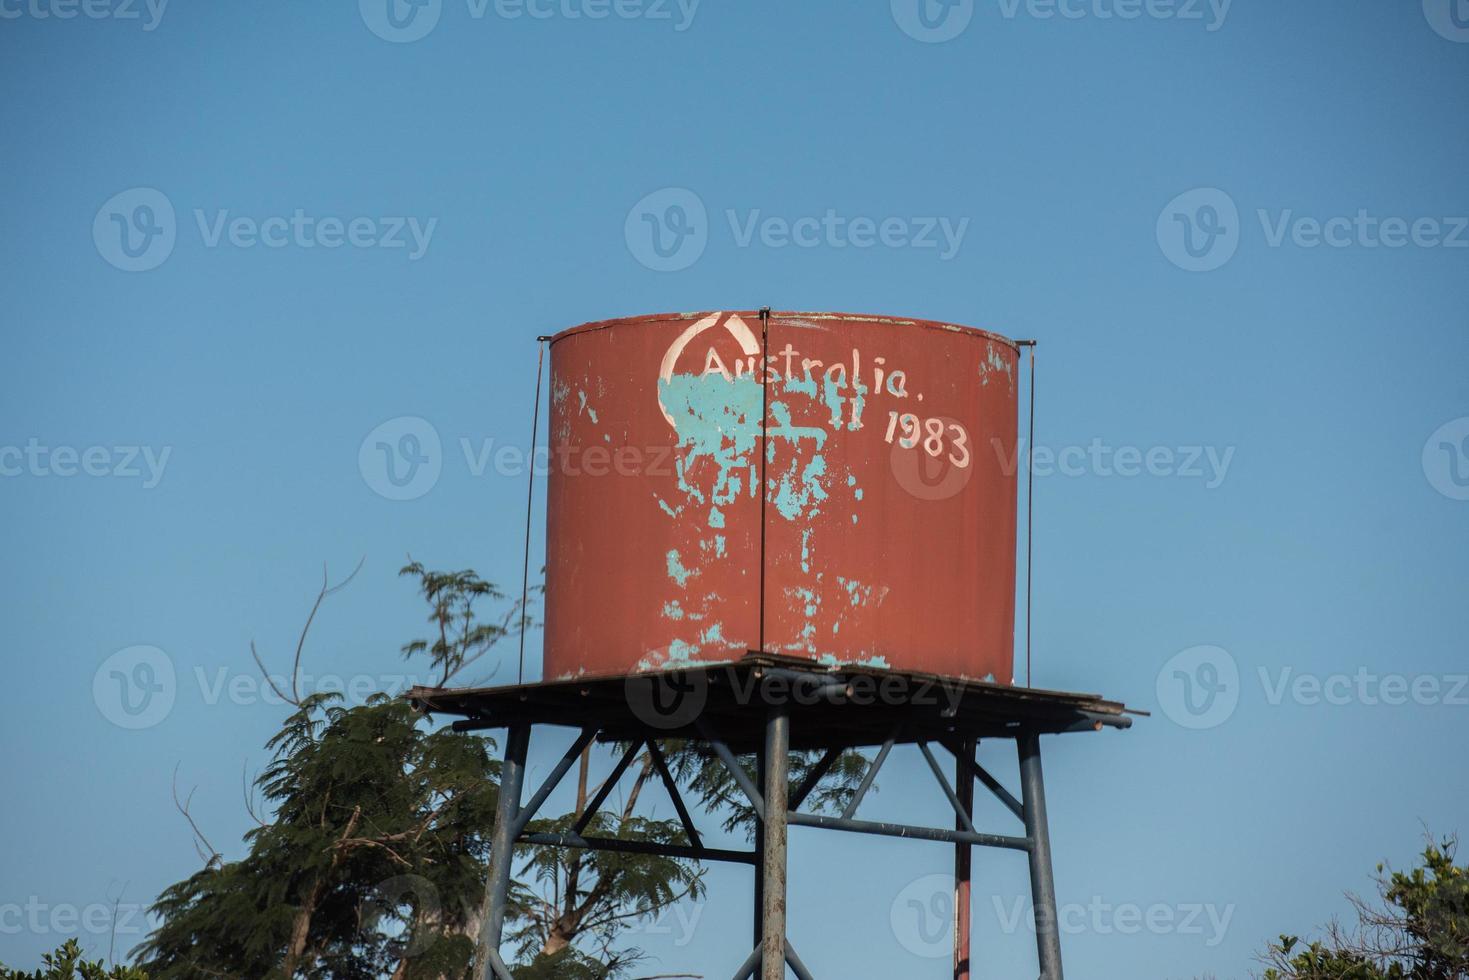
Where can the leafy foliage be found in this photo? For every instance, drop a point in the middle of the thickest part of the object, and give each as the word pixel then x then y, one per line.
pixel 67 964
pixel 715 787
pixel 374 857
pixel 461 638
pixel 1419 932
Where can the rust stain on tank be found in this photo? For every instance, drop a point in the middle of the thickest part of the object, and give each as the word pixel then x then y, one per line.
pixel 888 504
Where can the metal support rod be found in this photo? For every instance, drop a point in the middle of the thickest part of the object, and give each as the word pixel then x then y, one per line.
pixel 963 859
pixel 526 814
pixel 882 829
pixel 1001 793
pixel 765 451
pixel 757 919
pixel 530 498
pixel 752 962
pixel 620 846
pixel 814 776
pixel 487 964
pixel 736 771
pixel 794 961
pixel 871 775
pixel 606 789
pixel 960 810
pixel 777 790
pixel 669 783
pixel 1042 881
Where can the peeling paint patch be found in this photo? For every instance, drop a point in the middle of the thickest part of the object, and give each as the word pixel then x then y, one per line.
pixel 672 610
pixel 795 496
pixel 857 593
pixel 585 409
pixel 676 569
pixel 995 363
pixel 681 652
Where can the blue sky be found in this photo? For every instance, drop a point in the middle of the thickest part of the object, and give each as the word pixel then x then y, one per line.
pixel 1152 196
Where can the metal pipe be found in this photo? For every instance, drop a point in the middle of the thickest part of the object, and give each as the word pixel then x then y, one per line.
pixel 777 789
pixel 1001 793
pixel 669 783
pixel 908 831
pixel 794 961
pixel 868 778
pixel 757 919
pixel 639 847
pixel 751 964
pixel 1042 881
pixel 736 771
pixel 528 813
pixel 605 791
pixel 960 810
pixel 814 777
pixel 487 963
pixel 963 859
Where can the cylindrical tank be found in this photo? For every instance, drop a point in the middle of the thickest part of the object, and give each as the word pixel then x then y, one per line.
pixel 885 535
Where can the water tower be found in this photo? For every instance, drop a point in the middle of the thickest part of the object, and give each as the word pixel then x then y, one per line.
pixel 777 531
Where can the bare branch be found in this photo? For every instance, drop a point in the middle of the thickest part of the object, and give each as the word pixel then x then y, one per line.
pixel 326 589
pixel 207 853
pixel 249 797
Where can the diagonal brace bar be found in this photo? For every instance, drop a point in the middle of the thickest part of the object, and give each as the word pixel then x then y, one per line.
pixel 529 811
pixel 661 764
pixel 992 784
pixel 794 962
pixel 741 778
pixel 938 774
pixel 868 779
pixel 813 777
pixel 606 790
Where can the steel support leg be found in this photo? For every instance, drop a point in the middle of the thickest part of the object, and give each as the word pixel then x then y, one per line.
pixel 487 962
pixel 963 859
pixel 1042 880
pixel 777 790
pixel 759 917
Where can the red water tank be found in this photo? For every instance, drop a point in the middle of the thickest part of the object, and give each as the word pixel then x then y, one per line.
pixel 885 532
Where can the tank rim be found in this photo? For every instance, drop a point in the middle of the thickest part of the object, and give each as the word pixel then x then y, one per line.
pixel 917 322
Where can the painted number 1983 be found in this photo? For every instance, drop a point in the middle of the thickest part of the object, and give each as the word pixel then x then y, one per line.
pixel 931 434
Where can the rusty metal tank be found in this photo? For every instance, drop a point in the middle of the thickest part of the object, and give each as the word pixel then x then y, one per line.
pixel 878 529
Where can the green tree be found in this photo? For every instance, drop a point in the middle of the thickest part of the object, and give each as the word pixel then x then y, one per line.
pixel 67 964
pixel 371 858
pixel 371 862
pixel 1417 930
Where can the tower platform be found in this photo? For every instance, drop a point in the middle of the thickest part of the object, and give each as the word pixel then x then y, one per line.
pixel 768 706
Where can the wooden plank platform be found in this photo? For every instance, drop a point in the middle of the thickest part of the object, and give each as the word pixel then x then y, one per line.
pixel 848 706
